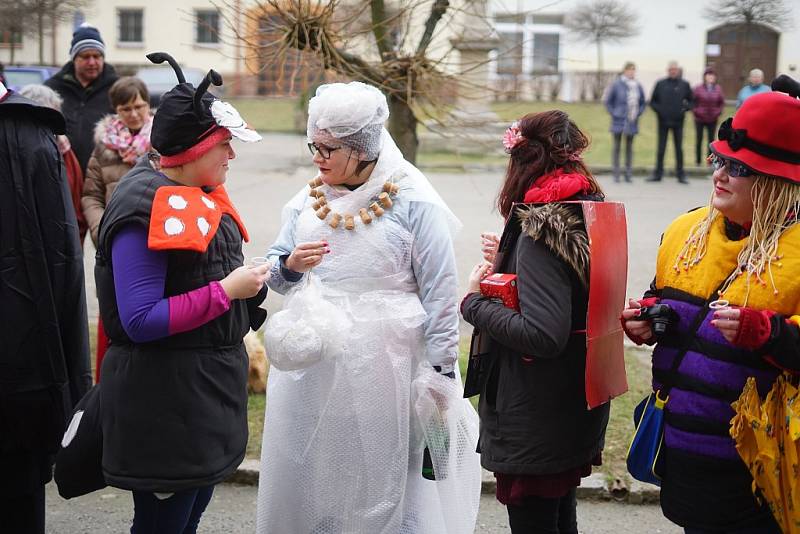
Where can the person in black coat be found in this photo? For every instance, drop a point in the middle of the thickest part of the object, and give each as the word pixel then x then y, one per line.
pixel 44 352
pixel 672 98
pixel 83 83
pixel 537 434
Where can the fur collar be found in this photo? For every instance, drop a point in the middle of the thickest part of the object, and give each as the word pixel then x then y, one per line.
pixel 560 228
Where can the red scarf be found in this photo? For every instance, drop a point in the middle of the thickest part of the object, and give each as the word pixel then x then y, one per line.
pixel 557 185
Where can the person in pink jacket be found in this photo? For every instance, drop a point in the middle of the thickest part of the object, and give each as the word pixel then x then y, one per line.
pixel 708 105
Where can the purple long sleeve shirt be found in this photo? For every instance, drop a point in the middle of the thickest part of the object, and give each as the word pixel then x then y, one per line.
pixel 139 279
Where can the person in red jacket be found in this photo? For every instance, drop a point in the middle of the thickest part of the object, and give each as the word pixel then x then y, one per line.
pixel 708 105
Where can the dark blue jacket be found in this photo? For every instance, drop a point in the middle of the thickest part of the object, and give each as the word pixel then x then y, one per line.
pixel 617 105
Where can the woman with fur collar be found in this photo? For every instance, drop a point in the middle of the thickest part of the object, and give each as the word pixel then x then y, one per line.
pixel 537 434
pixel 120 140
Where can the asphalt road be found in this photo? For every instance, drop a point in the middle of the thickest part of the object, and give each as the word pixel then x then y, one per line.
pixel 233 511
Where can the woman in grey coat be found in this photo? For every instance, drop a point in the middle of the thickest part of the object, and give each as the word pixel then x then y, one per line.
pixel 625 103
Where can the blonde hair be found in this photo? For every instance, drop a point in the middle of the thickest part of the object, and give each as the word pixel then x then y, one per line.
pixel 776 203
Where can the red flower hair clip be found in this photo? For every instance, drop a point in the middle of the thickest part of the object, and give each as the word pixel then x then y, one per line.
pixel 512 137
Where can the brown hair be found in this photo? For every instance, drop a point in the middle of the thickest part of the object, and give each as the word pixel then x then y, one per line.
pixel 550 141
pixel 126 89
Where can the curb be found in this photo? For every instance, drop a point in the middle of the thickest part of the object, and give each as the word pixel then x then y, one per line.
pixel 592 487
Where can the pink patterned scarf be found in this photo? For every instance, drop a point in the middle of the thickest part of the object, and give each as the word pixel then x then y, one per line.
pixel 130 147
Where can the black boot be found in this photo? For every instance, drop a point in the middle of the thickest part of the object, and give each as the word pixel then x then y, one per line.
pixel 653 178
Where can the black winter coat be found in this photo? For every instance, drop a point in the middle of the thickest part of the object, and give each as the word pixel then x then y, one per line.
pixel 83 107
pixel 671 99
pixel 44 340
pixel 174 410
pixel 533 413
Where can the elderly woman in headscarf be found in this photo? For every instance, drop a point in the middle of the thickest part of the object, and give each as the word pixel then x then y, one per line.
pixel 729 273
pixel 353 434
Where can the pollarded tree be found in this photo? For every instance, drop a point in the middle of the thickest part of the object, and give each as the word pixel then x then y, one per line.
pixel 387 44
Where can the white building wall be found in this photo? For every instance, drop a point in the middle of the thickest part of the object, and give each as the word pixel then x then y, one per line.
pixel 168 26
pixel 673 30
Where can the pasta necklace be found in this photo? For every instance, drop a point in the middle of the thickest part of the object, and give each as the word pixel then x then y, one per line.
pixel 377 207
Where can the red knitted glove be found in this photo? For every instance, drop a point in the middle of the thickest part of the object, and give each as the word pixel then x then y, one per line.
pixel 636 339
pixel 754 328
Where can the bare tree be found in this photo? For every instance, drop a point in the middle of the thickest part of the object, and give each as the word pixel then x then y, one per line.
pixel 750 15
pixel 13 14
pixel 43 14
pixel 600 22
pixel 773 13
pixel 397 57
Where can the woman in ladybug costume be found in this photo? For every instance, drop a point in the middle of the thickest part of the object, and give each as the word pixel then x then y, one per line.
pixel 176 302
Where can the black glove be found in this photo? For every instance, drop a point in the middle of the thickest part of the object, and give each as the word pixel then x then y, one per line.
pixel 438 369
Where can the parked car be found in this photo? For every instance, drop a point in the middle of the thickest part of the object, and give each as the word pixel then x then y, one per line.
pixel 159 80
pixel 19 77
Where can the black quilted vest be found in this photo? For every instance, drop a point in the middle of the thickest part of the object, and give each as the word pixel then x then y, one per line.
pixel 174 411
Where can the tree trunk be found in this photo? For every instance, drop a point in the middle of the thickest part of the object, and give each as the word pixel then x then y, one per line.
pixel 598 81
pixel 403 127
pixel 40 28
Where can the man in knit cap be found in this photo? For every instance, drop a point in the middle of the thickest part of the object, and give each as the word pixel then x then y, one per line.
pixel 83 83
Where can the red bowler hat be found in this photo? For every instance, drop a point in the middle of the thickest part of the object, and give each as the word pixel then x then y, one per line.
pixel 763 136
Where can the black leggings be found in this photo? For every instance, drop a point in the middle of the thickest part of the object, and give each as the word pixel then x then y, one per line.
pixel 539 515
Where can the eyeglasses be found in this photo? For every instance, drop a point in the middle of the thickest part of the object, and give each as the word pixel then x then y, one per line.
pixel 127 110
pixel 324 151
pixel 734 169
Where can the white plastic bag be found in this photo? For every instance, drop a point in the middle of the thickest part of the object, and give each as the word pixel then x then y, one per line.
pixel 308 330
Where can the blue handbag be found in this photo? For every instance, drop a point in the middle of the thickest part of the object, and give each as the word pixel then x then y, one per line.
pixel 644 452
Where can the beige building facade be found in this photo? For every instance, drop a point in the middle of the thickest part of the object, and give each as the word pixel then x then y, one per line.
pixel 536 57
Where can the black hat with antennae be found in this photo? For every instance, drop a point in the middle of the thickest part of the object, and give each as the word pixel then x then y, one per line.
pixel 184 118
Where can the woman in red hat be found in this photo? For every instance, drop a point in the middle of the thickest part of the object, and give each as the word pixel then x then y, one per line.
pixel 729 272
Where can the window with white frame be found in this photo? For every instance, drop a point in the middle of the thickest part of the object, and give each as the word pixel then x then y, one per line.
pixel 529 44
pixel 545 52
pixel 130 25
pixel 207 26
pixel 509 53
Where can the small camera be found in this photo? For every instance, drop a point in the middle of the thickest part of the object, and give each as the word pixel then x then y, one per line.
pixel 660 316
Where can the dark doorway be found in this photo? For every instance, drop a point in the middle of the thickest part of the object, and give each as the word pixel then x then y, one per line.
pixel 741 47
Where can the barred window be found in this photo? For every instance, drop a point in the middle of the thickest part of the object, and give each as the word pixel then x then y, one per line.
pixel 207 26
pixel 131 25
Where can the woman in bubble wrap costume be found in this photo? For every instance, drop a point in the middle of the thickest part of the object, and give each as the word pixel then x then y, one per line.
pixel 344 436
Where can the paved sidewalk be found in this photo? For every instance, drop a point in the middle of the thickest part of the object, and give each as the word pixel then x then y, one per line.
pixel 233 511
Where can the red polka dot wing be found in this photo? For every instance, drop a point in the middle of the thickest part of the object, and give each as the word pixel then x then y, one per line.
pixel 183 218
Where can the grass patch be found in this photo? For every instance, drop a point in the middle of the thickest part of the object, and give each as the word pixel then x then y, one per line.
pixel 618 434
pixel 256 404
pixel 620 424
pixel 269 114
pixel 593 120
pixel 277 114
